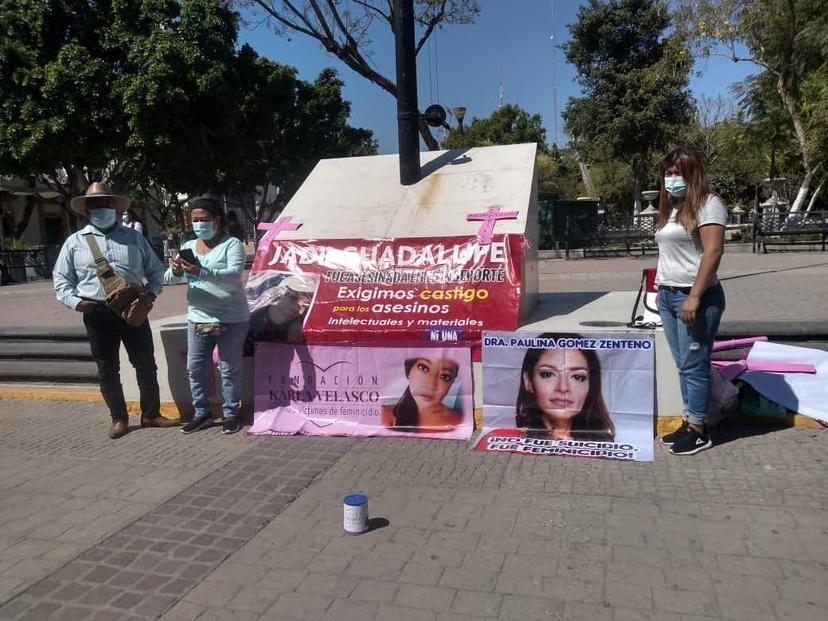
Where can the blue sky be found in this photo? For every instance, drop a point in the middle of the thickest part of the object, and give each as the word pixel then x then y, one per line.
pixel 514 39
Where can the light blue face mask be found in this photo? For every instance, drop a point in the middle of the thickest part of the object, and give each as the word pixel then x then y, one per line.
pixel 103 218
pixel 204 230
pixel 675 185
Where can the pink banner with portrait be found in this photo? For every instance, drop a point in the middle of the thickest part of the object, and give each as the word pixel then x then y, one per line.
pixel 335 390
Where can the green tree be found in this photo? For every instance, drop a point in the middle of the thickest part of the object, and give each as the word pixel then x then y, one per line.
pixel 56 114
pixel 290 125
pixel 634 76
pixel 154 96
pixel 788 41
pixel 558 175
pixel 344 30
pixel 815 112
pixel 133 91
pixel 734 147
pixel 509 124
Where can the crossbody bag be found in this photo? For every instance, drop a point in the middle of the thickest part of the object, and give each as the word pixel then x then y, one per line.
pixel 128 301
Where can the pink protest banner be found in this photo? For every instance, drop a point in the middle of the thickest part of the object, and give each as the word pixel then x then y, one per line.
pixel 407 290
pixel 336 390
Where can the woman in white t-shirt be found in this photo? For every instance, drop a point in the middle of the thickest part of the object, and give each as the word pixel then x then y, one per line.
pixel 690 236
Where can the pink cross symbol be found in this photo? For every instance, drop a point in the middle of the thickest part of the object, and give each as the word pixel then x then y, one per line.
pixel 489 217
pixel 273 229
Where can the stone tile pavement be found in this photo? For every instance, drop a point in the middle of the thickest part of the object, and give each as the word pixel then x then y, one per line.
pixel 91 528
pixel 759 287
pixel 212 527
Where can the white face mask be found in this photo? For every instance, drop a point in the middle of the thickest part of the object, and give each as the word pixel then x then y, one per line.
pixel 675 185
pixel 204 230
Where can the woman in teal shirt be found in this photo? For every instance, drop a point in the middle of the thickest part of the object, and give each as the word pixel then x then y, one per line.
pixel 217 311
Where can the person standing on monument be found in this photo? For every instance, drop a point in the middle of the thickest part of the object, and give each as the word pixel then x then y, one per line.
pixel 690 234
pixel 78 285
pixel 217 311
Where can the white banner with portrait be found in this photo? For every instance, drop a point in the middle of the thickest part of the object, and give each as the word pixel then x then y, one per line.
pixel 583 395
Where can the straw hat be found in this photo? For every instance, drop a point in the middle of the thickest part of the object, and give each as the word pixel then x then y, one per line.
pixel 99 189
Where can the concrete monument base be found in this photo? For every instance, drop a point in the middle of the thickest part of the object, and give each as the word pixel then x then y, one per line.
pixel 556 312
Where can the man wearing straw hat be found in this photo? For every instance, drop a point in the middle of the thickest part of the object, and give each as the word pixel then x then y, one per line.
pixel 79 286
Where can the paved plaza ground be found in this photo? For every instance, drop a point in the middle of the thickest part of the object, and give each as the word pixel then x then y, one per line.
pixel 206 526
pixel 215 527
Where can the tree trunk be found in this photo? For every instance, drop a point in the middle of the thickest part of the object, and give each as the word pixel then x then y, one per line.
pixel 636 198
pixel 799 130
pixel 638 173
pixel 28 210
pixel 586 175
pixel 814 197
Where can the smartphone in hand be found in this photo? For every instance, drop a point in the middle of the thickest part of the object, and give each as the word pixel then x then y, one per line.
pixel 188 255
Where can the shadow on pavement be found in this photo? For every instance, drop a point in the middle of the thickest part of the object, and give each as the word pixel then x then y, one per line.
pixel 376 524
pixel 729 431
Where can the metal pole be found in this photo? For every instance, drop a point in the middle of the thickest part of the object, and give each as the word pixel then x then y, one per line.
pixel 407 111
pixel 2 216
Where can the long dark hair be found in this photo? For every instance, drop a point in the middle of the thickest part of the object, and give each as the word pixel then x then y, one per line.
pixel 406 412
pixel 592 423
pixel 691 167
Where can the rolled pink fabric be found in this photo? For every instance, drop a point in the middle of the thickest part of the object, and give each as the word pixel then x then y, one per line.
pixel 736 343
pixel 731 369
pixel 780 367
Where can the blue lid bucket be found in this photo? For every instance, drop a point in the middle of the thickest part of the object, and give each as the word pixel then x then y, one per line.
pixel 355 513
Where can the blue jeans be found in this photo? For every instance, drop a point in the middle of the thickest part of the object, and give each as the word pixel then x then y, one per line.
pixel 691 345
pixel 199 366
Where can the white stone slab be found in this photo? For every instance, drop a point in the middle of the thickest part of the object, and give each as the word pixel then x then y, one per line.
pixel 361 197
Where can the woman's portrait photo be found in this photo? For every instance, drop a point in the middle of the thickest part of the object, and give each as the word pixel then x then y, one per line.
pixel 279 303
pixel 559 395
pixel 423 406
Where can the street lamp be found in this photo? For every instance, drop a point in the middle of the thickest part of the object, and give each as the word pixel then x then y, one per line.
pixel 459 113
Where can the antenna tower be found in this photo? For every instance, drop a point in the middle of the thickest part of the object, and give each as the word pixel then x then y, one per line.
pixel 500 91
pixel 554 76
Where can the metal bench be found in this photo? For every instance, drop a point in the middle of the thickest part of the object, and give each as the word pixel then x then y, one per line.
pixel 781 230
pixel 624 230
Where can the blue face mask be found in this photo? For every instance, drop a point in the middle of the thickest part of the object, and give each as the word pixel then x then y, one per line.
pixel 675 185
pixel 204 230
pixel 103 218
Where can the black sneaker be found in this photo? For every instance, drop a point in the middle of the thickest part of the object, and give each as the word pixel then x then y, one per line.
pixel 670 438
pixel 198 422
pixel 691 442
pixel 230 425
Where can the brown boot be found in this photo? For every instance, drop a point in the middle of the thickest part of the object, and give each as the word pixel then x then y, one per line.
pixel 117 429
pixel 160 421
